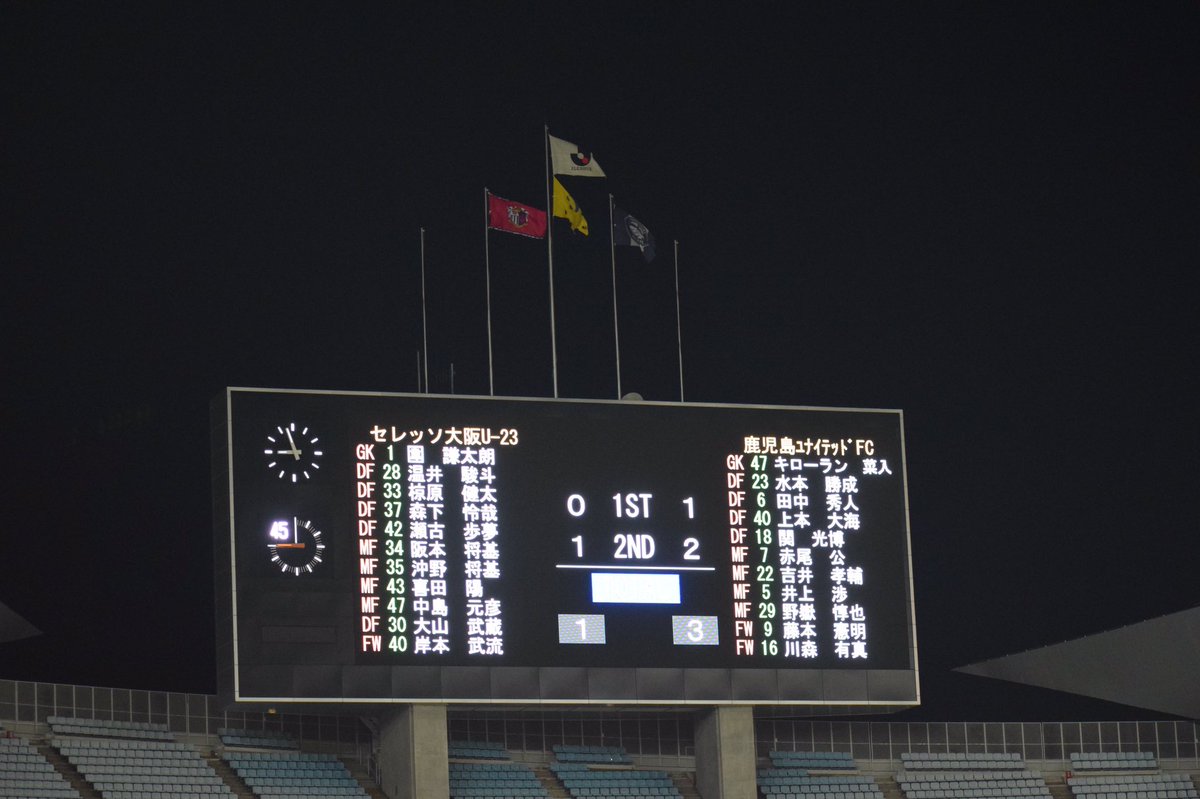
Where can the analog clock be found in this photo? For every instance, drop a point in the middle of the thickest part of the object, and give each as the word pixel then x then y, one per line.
pixel 293 453
pixel 296 546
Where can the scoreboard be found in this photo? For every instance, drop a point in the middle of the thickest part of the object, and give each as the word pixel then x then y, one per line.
pixel 408 548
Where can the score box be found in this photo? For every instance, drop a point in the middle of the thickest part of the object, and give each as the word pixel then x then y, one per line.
pixel 695 631
pixel 581 628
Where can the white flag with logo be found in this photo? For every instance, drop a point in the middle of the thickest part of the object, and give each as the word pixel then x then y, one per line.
pixel 567 159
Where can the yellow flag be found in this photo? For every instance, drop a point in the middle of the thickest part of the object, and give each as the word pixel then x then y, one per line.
pixel 565 208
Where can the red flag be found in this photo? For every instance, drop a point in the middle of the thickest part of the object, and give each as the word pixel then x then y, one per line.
pixel 513 217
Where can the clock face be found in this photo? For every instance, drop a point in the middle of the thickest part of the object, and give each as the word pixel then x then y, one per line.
pixel 293 452
pixel 296 546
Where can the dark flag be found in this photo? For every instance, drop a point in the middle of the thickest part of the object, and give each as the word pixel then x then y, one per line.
pixel 632 233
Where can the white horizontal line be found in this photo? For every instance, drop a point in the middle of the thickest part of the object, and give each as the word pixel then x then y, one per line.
pixel 602 567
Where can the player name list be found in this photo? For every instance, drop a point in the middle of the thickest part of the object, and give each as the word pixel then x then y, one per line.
pixel 421 493
pixel 795 531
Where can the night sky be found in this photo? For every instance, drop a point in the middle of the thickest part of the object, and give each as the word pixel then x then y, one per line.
pixel 985 216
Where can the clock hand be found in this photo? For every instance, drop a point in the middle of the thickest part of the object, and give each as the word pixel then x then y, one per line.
pixel 295 451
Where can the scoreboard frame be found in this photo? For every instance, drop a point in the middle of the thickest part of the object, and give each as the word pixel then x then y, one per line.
pixel 246 676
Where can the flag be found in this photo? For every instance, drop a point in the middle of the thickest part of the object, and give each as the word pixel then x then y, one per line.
pixel 568 160
pixel 630 232
pixel 513 217
pixel 565 208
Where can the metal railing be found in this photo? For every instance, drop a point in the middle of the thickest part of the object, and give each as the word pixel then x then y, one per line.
pixel 662 734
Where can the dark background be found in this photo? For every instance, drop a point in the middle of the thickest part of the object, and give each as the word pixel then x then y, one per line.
pixel 982 214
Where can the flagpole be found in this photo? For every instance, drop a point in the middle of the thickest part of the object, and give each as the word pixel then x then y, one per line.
pixel 424 327
pixel 487 271
pixel 550 260
pixel 678 328
pixel 612 251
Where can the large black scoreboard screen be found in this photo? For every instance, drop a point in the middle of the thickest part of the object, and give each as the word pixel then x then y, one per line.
pixel 408 548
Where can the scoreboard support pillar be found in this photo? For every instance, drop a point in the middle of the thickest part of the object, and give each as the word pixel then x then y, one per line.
pixel 725 760
pixel 413 753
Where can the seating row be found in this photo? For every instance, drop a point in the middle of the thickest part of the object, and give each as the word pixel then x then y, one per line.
pixel 481 750
pixel 174 790
pixel 297 782
pixel 510 775
pixel 960 776
pixel 967 785
pixel 472 753
pixel 273 735
pixel 1168 793
pixel 147 760
pixel 976 793
pixel 774 777
pixel 277 756
pixel 1112 761
pixel 139 795
pixel 67 725
pixel 956 761
pixel 191 774
pixel 581 757
pixel 615 782
pixel 1134 786
pixel 838 761
pixel 565 753
pixel 35 779
pixel 599 793
pixel 791 787
pixel 856 795
pixel 113 745
pixel 309 790
pixel 1127 779
pixel 325 770
pixel 259 743
pixel 257 739
pixel 157 757
pixel 316 762
pixel 504 767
